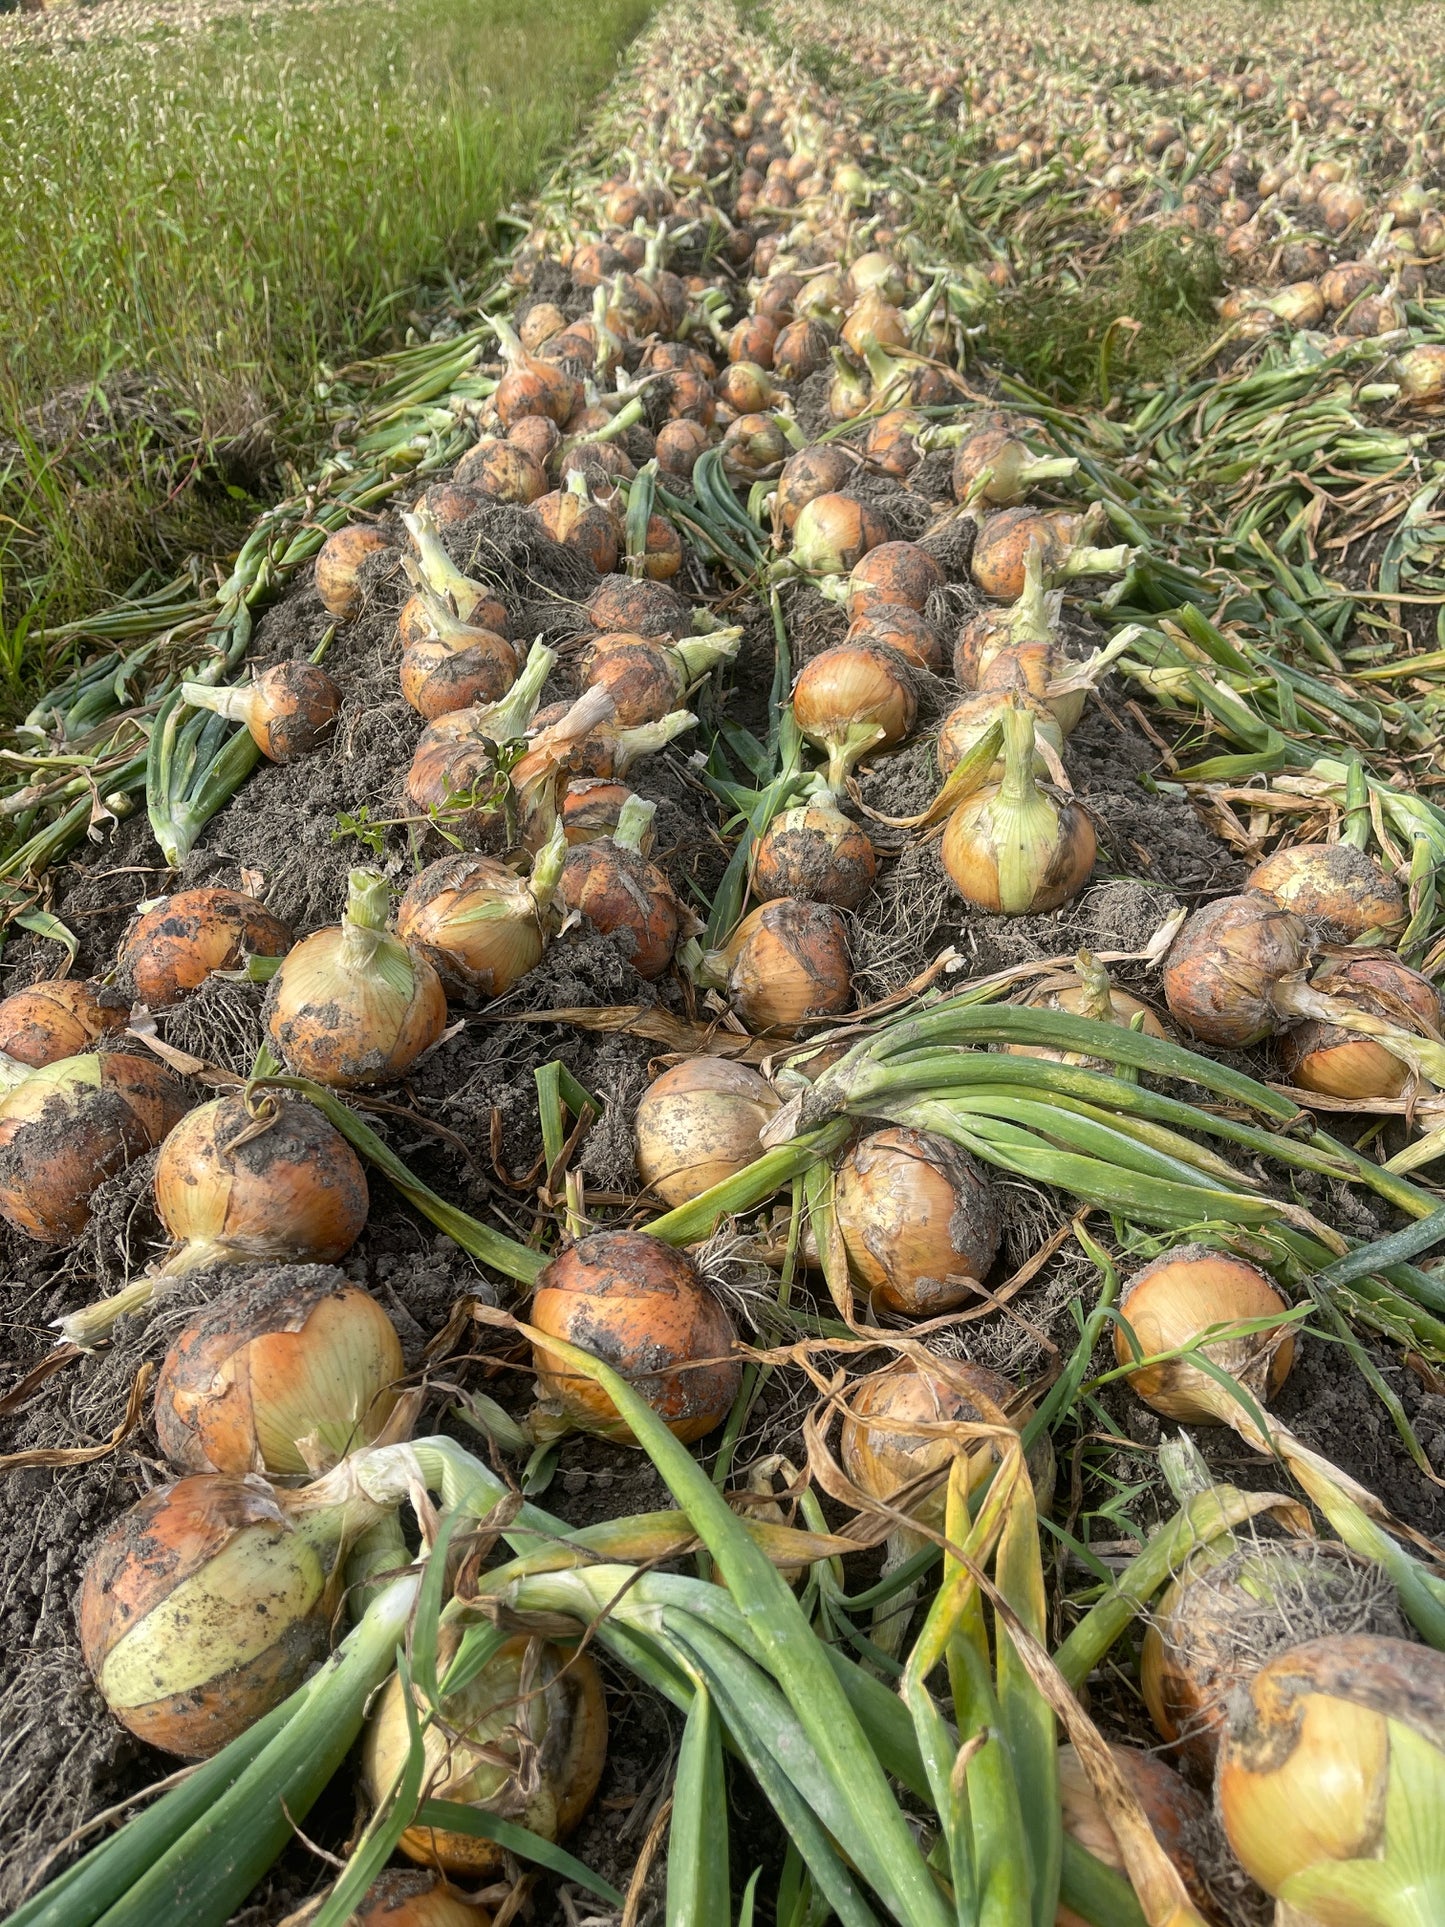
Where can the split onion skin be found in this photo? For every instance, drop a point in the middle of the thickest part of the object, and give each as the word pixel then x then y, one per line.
pixel 1340 888
pixel 72 1124
pixel 63 1017
pixel 1179 1295
pixel 1224 964
pixel 296 1356
pixel 172 949
pixel 338 561
pixel 561 1710
pixel 621 894
pixel 169 1557
pixel 699 1124
pixel 592 806
pixel 641 1307
pixel 816 854
pixel 229 1192
pixel 1340 1063
pixel 919 1221
pixel 788 963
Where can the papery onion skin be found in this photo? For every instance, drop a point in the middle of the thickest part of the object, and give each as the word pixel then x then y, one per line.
pixel 173 948
pixel 919 1219
pixel 230 1192
pixel 967 721
pixel 813 852
pixel 294 1357
pixel 294 707
pixel 622 606
pixel 400 1899
pixel 339 558
pixel 700 1123
pixel 473 956
pixel 60 1017
pixel 1341 888
pixel 1178 1817
pixel 641 1307
pixel 1340 1063
pixel 200 1610
pixel 502 471
pixel 892 625
pixel 644 678
pixel 1224 965
pixel 893 572
pixel 787 962
pixel 562 1712
pixel 821 469
pixel 1182 1293
pixel 849 699
pixel 441 674
pixel 973 841
pixel 592 806
pixel 621 894
pixel 833 532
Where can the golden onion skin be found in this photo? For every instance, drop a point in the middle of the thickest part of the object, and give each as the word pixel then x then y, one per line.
pixel 294 1357
pixel 294 707
pixel 1182 1293
pixel 621 894
pixel 1223 967
pixel 173 948
pixel 820 470
pixel 893 573
pixel 64 1017
pixel 338 561
pixel 641 1307
pixel 471 961
pixel 1340 888
pixel 397 1898
pixel 1178 1817
pixel 892 625
pixel 919 1219
pixel 622 606
pixel 442 674
pixel 195 1575
pixel 815 853
pixel 700 1123
pixel 975 840
pixel 788 962
pixel 1341 1063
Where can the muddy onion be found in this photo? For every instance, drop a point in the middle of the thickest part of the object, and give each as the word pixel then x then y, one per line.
pixel 70 1125
pixel 455 767
pixel 891 625
pixel 1178 1817
pixel 455 664
pixel 591 806
pixel 1225 965
pixel 1018 848
pixel 1341 888
pixel 531 386
pixel 641 1307
pixel 503 471
pixel 480 924
pixel 622 606
pixel 919 1219
pixel 353 1005
pixel 786 962
pixel 700 1123
pixel 992 465
pixel 62 1017
pixel 813 852
pixel 173 947
pixel 610 883
pixel 833 532
pixel 202 1608
pixel 887 1444
pixel 647 677
pixel 1171 1302
pixel 526 1739
pixel 814 471
pixel 286 1372
pixel 1322 1057
pixel 894 572
pixel 338 564
pixel 849 699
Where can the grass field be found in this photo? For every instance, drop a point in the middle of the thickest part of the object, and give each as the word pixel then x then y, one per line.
pixel 199 205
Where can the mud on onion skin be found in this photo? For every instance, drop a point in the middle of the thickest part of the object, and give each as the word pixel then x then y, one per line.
pixel 1224 965
pixel 59 1017
pixel 338 562
pixel 700 1123
pixel 813 852
pixel 290 709
pixel 173 947
pixel 1340 888
pixel 786 962
pixel 481 925
pixel 610 882
pixel 919 1220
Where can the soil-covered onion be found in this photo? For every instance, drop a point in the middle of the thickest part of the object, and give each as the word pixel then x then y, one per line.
pixel 502 471
pixel 400 1899
pixel 648 678
pixel 60 1017
pixel 1224 966
pixel 919 1219
pixel 622 606
pixel 1183 1294
pixel 893 572
pixel 786 962
pixel 813 852
pixel 821 469
pixel 480 924
pixel 1319 1056
pixel 592 806
pixel 700 1123
pixel 892 625
pixel 1340 888
pixel 610 882
pixel 174 946
pixel 290 709
pixel 338 563
pixel 641 1307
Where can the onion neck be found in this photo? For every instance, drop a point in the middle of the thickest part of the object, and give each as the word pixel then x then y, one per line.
pixel 547 867
pixel 633 824
pixel 1294 997
pixel 1090 561
pixel 1098 989
pixel 1029 618
pixel 700 655
pixel 846 750
pixel 436 565
pixel 508 340
pixel 237 703
pixel 645 739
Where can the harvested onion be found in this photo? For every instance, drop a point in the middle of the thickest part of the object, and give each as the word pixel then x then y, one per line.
pixel 1001 553
pixel 893 573
pixel 833 532
pixel 786 962
pixel 482 926
pixel 457 664
pixel 812 851
pixel 338 566
pixel 1340 888
pixel 290 709
pixel 1018 848
pixel 57 1018
pixel 820 469
pixel 919 1220
pixel 899 1430
pixel 1178 1817
pixel 456 769
pixel 1224 968
pixel 700 1123
pixel 993 465
pixel 1320 1056
pixel 646 677
pixel 851 699
pixel 610 882
pixel 175 945
pixel 1171 1303
pixel 1087 992
pixel 399 1899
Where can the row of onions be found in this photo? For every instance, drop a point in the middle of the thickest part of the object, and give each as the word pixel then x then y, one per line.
pixel 648 420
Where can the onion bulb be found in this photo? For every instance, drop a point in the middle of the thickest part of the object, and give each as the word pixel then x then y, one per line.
pixel 1000 555
pixel 399 1899
pixel 1329 1780
pixel 70 1125
pixel 786 962
pixel 894 572
pixel 1178 1817
pixel 285 1373
pixel 443 578
pixel 571 516
pixel 889 1444
pixel 290 709
pixel 1032 619
pixel 502 471
pixel 993 465
pixel 588 739
pixel 525 1739
pixel 1322 1057
pixel 700 1123
pixel 1231 1607
pixel 1180 1296
pixel 456 770
pixel 820 469
pixel 848 700
pixel 61 1017
pixel 353 1005
pixel 624 605
pixel 531 386
pixel 1335 885
pixel 203 1607
pixel 1421 375
pixel 592 806
pixel 175 945
pixel 967 722
pixel 1224 969
pixel 891 625
pixel 646 677
pixel 1018 848
pixel 480 924
pixel 641 1307
pixel 1086 991
pixel 457 664
pixel 755 445
pixel 338 564
pixel 237 1183
pixel 919 1220
pixel 833 533
pixel 812 851
pixel 610 882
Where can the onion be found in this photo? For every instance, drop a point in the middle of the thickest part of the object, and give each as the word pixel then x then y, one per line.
pixel 455 666
pixel 894 572
pixel 888 1444
pixel 752 339
pixel 813 852
pixel 610 882
pixel 849 700
pixel 1178 1818
pixel 570 516
pixel 530 386
pixel 892 443
pixel 817 470
pixel 285 1373
pixel 592 806
pixel 647 678
pixel 59 1018
pixel 833 532
pixel 398 1899
pixel 1233 1607
pixel 1224 969
pixel 626 606
pixel 1000 555
pixel 642 1308
pixel 786 962
pixel 755 446
pixel 502 471
pixel 482 926
pixel 1086 991
pixel 700 1123
pixel 1333 1755
pixel 448 506
pixel 800 350
pixel 240 1182
pixel 173 947
pixel 679 443
pixel 992 465
pixel 589 740
pixel 849 395
pixel 1187 1292
pixel 203 1607
pixel 1018 848
pixel 338 564
pixel 891 625
pixel 873 322
pixel 919 1220
pixel 1340 888
pixel 290 709
pixel 353 1005
pixel 1323 1057
pixel 70 1125
pixel 1032 619
pixel 525 1739
pixel 876 272
pixel 537 436
pixel 455 768
pixel 1421 375
pixel 976 715
pixel 443 578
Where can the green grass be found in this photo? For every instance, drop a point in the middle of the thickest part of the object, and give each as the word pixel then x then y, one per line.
pixel 194 216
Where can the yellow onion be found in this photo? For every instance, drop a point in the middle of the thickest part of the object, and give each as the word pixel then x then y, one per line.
pixel 755 446
pixel 58 1018
pixel 1178 1817
pixel 502 471
pixel 786 962
pixel 525 1739
pixel 1018 848
pixel 480 924
pixel 1319 1056
pixel 456 770
pixel 646 677
pixel 1086 991
pixel 1001 553
pixel 814 852
pixel 400 1899
pixel 70 1125
pixel 893 573
pixel 820 469
pixel 850 699
pixel 637 607
pixel 1233 1606
pixel 891 625
pixel 833 532
pixel 271 1180
pixel 353 1005
pixel 1421 374
pixel 173 946
pixel 531 386
pixel 1224 968
pixel 1334 885
pixel 1172 1302
pixel 338 564
pixel 1032 619
pixel 700 1123
pixel 587 738
pixel 967 722
pixel 919 1219
pixel 591 806
pixel 641 1307
pixel 290 709
pixel 876 272
pixel 993 465
pixel 571 516
pixel 441 574
pixel 455 665
pixel 889 1446
pixel 610 882
pixel 285 1373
